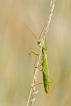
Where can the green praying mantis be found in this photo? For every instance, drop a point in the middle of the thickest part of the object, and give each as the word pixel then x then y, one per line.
pixel 44 64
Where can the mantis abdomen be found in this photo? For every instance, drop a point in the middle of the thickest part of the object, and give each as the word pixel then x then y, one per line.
pixel 45 71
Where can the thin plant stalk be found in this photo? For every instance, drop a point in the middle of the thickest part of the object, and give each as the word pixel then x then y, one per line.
pixel 33 90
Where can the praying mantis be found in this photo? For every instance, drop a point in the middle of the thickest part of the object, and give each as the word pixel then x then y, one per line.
pixel 44 64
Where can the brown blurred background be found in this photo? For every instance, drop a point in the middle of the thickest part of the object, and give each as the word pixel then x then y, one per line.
pixel 16 67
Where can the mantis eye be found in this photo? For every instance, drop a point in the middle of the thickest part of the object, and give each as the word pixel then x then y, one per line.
pixel 38 42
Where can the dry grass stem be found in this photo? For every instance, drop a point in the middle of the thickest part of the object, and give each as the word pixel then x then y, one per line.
pixel 33 90
pixel 52 5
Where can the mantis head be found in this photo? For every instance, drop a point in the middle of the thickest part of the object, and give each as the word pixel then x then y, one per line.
pixel 38 41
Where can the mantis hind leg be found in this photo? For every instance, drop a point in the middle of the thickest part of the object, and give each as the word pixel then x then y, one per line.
pixel 43 72
pixel 47 76
pixel 42 83
pixel 36 84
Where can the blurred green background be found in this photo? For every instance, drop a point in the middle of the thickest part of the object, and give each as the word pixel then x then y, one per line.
pixel 16 66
